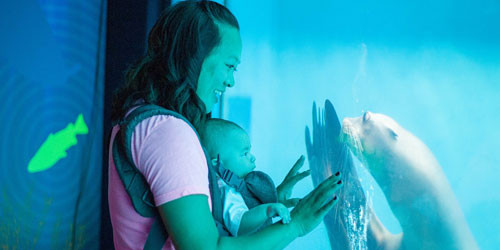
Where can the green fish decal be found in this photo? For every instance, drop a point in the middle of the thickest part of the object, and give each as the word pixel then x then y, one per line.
pixel 54 147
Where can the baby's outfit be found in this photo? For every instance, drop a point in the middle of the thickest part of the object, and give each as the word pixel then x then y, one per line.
pixel 240 195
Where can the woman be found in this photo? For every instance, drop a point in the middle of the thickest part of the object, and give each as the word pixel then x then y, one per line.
pixel 193 51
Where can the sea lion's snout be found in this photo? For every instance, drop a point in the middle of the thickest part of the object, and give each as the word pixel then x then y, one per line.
pixel 346 123
pixel 351 126
pixel 347 130
pixel 350 134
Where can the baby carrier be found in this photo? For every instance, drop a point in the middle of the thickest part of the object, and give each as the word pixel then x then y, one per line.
pixel 135 184
pixel 256 187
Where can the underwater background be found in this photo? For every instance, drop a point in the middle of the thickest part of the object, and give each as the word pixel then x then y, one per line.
pixel 433 66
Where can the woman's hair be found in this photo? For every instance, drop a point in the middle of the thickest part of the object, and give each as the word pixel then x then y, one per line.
pixel 167 75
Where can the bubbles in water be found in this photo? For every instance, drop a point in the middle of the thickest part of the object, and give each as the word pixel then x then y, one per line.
pixel 358 218
pixel 360 74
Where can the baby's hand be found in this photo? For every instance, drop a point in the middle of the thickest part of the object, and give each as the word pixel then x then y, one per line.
pixel 278 209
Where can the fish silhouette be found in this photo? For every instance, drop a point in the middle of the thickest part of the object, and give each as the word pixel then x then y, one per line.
pixel 54 147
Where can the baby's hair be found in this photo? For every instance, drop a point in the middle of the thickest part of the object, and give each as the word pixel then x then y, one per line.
pixel 214 132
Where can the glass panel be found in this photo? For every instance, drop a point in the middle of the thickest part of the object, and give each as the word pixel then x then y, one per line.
pixel 432 67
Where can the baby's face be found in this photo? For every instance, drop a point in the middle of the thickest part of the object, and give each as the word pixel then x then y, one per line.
pixel 235 153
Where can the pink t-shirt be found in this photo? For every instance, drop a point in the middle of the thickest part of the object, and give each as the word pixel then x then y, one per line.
pixel 168 153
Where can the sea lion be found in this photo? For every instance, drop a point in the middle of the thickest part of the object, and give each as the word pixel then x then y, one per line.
pixel 412 180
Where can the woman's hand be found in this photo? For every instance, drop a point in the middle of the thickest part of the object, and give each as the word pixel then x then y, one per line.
pixel 285 188
pixel 310 211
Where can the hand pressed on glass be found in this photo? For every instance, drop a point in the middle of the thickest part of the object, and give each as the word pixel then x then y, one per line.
pixel 310 210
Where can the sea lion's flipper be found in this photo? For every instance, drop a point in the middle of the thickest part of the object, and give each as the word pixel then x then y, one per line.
pixel 327 155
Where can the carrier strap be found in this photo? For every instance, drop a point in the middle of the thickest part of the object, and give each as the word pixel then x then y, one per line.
pixel 136 185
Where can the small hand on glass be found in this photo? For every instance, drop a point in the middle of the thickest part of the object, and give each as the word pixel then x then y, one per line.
pixel 285 188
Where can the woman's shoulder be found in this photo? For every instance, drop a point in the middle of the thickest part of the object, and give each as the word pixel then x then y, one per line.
pixel 168 153
pixel 164 127
pixel 169 121
pixel 157 136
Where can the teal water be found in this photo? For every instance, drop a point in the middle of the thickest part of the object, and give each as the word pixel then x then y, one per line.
pixel 434 66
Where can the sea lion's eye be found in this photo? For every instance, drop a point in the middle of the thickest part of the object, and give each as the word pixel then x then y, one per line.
pixel 392 134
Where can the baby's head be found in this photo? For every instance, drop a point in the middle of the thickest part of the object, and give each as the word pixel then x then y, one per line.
pixel 230 143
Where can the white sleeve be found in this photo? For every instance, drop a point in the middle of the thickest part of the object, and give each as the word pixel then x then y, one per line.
pixel 234 209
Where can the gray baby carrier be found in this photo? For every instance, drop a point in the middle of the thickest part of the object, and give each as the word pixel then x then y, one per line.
pixel 135 184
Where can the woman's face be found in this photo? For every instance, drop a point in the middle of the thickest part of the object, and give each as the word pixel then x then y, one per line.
pixel 218 67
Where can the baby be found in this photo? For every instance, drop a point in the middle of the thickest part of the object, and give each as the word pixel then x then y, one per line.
pixel 250 199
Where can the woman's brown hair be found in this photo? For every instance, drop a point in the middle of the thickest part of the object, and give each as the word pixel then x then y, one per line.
pixel 167 75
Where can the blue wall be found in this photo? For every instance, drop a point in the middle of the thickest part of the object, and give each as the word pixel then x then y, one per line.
pixel 51 66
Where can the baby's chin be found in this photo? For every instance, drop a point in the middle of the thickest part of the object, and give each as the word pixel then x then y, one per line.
pixel 245 174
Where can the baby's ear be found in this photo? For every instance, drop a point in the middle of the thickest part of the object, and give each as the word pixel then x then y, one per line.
pixel 215 162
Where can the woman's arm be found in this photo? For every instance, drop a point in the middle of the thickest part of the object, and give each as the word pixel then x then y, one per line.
pixel 189 222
